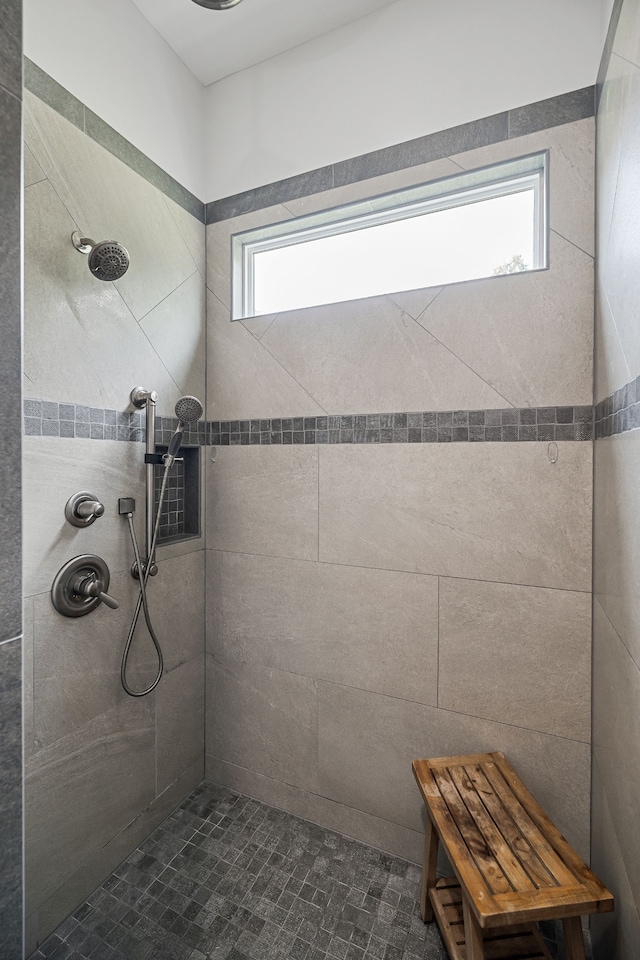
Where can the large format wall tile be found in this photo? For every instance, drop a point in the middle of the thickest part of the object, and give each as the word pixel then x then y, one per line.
pixel 54 469
pixel 244 380
pixel 371 770
pixel 176 330
pixel 263 719
pixel 28 735
pixel 108 200
pixel 514 654
pixel 611 368
pixel 529 335
pixel 82 344
pixel 177 601
pixel 32 171
pixel 480 511
pixel 219 246
pixel 391 837
pixel 90 874
pixel 616 734
pixel 11 49
pixel 10 329
pixel 373 629
pixel 193 233
pixel 11 798
pixel 370 356
pixel 571 174
pixel 264 501
pixel 83 789
pixel 77 661
pixel 627 39
pixel 373 186
pixel 180 721
pixel 612 934
pixel 617 534
pixel 213 603
pixel 621 245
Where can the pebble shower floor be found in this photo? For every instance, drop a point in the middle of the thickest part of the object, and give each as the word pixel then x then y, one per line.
pixel 226 877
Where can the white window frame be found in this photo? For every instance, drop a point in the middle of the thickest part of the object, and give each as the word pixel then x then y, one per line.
pixel 486 183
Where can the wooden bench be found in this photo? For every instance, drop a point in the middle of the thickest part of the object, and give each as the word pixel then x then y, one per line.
pixel 512 866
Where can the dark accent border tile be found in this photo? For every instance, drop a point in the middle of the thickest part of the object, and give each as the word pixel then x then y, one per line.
pixel 116 144
pixel 433 146
pixel 617 413
pixel 59 99
pixel 53 94
pixel 11 797
pixel 11 48
pixel 565 108
pixel 508 425
pixel 292 188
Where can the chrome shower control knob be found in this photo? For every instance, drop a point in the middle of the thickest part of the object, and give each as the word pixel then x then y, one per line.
pixel 81 586
pixel 83 509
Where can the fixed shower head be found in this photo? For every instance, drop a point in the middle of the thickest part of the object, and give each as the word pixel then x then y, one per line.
pixel 217 4
pixel 108 259
pixel 188 409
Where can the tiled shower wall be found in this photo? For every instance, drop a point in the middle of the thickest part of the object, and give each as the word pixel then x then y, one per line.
pixel 373 602
pixel 10 476
pixel 102 769
pixel 616 654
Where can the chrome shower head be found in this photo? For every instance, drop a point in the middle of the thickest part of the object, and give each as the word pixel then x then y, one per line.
pixel 217 4
pixel 188 409
pixel 108 259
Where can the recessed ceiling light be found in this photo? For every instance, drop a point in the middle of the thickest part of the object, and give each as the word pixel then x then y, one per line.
pixel 217 4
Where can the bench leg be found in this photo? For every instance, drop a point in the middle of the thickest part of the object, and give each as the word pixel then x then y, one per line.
pixel 472 933
pixel 573 940
pixel 428 870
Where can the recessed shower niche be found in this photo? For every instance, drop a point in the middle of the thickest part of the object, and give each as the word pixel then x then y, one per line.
pixel 180 514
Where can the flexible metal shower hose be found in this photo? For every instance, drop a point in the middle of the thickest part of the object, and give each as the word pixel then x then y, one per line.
pixel 142 596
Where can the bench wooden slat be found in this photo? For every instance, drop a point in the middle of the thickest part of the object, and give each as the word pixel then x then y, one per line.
pixel 442 820
pixel 475 849
pixel 492 830
pixel 503 786
pixel 514 836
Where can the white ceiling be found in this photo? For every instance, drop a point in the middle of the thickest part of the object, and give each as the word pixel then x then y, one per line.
pixel 215 43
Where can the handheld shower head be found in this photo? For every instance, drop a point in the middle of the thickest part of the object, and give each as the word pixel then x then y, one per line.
pixel 108 259
pixel 188 410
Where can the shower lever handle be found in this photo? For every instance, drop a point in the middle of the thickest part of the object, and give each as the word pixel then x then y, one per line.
pixel 92 587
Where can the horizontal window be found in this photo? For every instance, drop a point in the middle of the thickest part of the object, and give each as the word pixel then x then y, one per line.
pixel 477 224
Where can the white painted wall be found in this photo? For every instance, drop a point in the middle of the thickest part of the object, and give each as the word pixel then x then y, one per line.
pixel 410 69
pixel 112 59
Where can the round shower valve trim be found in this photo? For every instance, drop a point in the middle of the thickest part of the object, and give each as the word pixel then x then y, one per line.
pixel 83 509
pixel 81 586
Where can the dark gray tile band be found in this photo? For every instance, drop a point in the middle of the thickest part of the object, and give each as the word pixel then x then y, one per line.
pixel 59 99
pixel 566 108
pixel 11 798
pixel 51 419
pixel 11 48
pixel 619 412
pixel 444 426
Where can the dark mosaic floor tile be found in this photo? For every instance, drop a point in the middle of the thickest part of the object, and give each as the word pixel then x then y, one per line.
pixel 229 878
